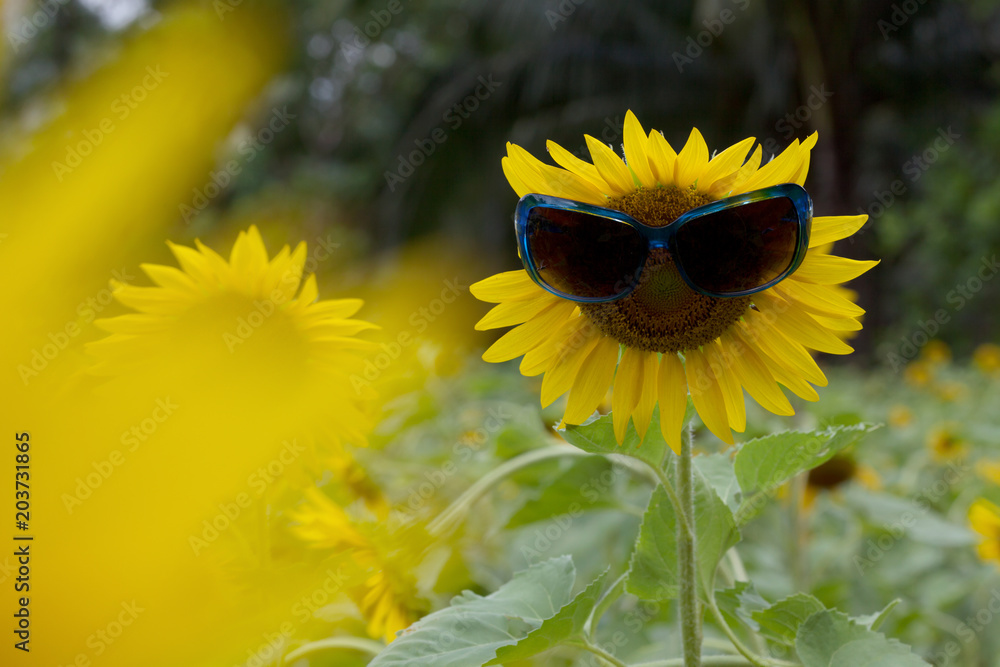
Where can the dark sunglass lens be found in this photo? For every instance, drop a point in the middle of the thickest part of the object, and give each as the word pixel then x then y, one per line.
pixel 584 255
pixel 740 248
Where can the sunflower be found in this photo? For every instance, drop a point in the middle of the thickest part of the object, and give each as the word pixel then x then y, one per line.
pixel 987 359
pixel 380 560
pixel 984 517
pixel 245 335
pixel 658 344
pixel 945 442
pixel 834 474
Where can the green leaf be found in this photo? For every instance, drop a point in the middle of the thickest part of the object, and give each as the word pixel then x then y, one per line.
pixel 740 602
pixel 653 568
pixel 763 464
pixel 598 437
pixel 566 624
pixel 781 621
pixel 473 628
pixel 588 484
pixel 719 472
pixel 830 639
pixel 875 652
pixel 875 621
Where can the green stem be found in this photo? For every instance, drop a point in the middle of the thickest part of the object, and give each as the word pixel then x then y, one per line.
pixel 334 643
pixel 587 645
pixel 461 505
pixel 686 558
pixel 608 599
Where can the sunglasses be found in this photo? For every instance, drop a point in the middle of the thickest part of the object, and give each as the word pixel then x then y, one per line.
pixel 727 248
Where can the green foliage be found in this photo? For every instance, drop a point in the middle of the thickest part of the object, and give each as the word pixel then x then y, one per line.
pixel 831 639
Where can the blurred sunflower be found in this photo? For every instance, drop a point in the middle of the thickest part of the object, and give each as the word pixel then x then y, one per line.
pixel 834 474
pixel 381 561
pixel 984 517
pixel 987 359
pixel 918 373
pixel 239 325
pixel 636 344
pixel 900 416
pixel 936 352
pixel 945 442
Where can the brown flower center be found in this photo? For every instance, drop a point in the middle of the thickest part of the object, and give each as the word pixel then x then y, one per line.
pixel 663 314
pixel 832 473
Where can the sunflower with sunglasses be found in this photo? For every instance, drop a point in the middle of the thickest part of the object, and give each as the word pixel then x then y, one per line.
pixel 671 273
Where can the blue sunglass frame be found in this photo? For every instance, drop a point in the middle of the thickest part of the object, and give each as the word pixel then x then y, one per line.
pixel 663 237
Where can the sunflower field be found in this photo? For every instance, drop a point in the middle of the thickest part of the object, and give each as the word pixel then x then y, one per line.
pixel 453 334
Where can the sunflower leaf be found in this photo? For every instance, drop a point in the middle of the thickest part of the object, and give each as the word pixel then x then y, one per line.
pixel 830 638
pixel 740 602
pixel 780 622
pixel 598 436
pixel 763 464
pixel 588 483
pixel 566 624
pixel 653 573
pixel 473 628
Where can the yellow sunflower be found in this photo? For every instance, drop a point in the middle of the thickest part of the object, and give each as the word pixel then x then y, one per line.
pixel 636 344
pixel 246 336
pixel 381 561
pixel 835 474
pixel 984 517
pixel 987 359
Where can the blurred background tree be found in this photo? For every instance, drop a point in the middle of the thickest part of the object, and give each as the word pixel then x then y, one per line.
pixel 400 113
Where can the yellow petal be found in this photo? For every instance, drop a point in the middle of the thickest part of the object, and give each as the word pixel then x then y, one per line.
pixel 786 353
pixel 610 166
pixel 662 158
pixel 672 392
pixel 818 299
pixel 830 228
pixel 779 170
pixel 567 160
pixel 592 382
pixel 727 186
pixel 691 161
pixel 732 393
pixel 559 379
pixel 526 336
pixel 799 325
pixel 725 165
pixel 753 373
pixel 170 278
pixel 551 349
pixel 643 411
pixel 548 180
pixel 635 151
pixel 506 286
pixel 131 324
pixel 707 394
pixel 515 312
pixel 628 389
pixel 513 178
pixel 830 270
pixel 310 292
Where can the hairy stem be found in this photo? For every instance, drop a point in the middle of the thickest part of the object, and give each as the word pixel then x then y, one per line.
pixel 690 611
